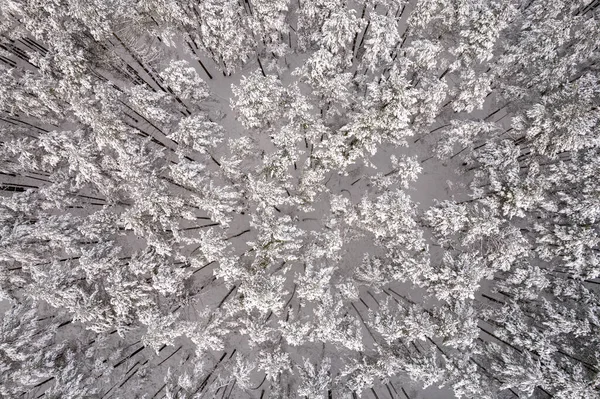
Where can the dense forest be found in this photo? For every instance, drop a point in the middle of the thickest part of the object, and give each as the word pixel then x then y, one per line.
pixel 383 199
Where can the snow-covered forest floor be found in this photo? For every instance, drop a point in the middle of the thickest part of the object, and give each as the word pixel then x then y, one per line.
pixel 300 199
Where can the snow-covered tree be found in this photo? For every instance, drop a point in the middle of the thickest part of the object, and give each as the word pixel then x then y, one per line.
pixel 314 198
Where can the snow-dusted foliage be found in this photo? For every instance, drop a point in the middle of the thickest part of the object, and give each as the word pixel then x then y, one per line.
pixel 300 199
